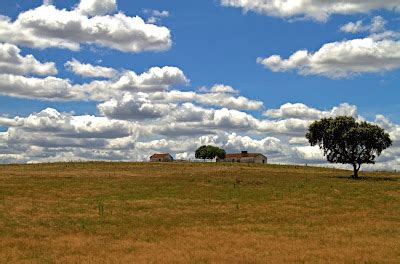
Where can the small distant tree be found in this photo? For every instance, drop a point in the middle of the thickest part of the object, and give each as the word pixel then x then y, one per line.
pixel 210 152
pixel 346 141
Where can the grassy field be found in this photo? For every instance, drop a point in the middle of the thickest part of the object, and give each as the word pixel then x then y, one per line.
pixel 196 213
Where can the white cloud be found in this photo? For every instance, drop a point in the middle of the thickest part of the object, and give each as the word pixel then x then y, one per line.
pixel 164 145
pixel 290 110
pixel 185 156
pixel 319 10
pixel 229 119
pixel 310 154
pixel 47 2
pixel 12 62
pixel 298 141
pixel 219 88
pixel 141 106
pixel 68 125
pixel 303 111
pixel 392 129
pixel 189 119
pixel 216 99
pixel 340 59
pixel 133 107
pixel 377 25
pixel 57 89
pixel 153 80
pixel 97 7
pixel 51 135
pixel 46 26
pixel 268 145
pixel 49 88
pixel 88 70
pixel 354 27
pixel 156 15
pixel 13 159
pixel 287 127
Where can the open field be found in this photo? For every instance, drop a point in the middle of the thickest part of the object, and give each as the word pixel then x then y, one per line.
pixel 197 213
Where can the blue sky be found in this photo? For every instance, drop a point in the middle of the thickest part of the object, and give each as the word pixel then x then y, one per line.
pixel 214 43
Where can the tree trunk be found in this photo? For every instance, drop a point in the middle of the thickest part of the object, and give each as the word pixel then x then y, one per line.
pixel 356 169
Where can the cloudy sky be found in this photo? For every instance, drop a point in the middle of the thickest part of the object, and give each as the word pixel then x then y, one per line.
pixel 121 79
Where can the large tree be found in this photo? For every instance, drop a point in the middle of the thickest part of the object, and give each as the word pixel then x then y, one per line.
pixel 346 141
pixel 210 152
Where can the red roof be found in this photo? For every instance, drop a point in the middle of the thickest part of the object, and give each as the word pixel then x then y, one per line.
pixel 160 156
pixel 242 155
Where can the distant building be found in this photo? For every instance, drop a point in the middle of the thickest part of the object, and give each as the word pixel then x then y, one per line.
pixel 164 157
pixel 214 160
pixel 245 157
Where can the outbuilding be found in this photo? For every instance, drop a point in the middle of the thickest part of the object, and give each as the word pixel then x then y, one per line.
pixel 161 157
pixel 245 157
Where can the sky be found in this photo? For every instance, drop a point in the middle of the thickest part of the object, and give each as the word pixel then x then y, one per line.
pixel 121 80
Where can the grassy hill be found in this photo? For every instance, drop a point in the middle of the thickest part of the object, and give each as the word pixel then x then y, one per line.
pixel 142 212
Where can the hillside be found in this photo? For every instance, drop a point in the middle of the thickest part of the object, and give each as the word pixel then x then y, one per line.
pixel 142 212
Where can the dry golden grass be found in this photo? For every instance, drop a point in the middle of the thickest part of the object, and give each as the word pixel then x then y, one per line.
pixel 196 213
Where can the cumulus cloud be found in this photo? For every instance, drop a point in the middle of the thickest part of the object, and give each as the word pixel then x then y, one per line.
pixel 51 136
pixel 164 145
pixel 156 15
pixel 303 111
pixel 97 7
pixel 340 59
pixel 67 125
pixel 46 26
pixel 190 119
pixel 12 62
pixel 219 88
pixel 231 119
pixel 49 88
pixel 377 24
pixel 354 27
pixel 209 98
pixel 319 10
pixel 13 159
pixel 57 89
pixel 133 107
pixel 155 79
pixel 141 106
pixel 287 127
pixel 392 129
pixel 309 154
pixel 88 70
pixel 298 141
pixel 268 145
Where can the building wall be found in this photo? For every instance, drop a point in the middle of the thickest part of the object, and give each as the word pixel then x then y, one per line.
pixel 231 160
pixel 260 159
pixel 247 160
pixel 165 159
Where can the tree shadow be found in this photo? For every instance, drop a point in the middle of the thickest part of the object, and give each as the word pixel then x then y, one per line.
pixel 368 178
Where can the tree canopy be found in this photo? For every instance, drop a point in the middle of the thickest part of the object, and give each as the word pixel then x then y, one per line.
pixel 210 152
pixel 346 141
